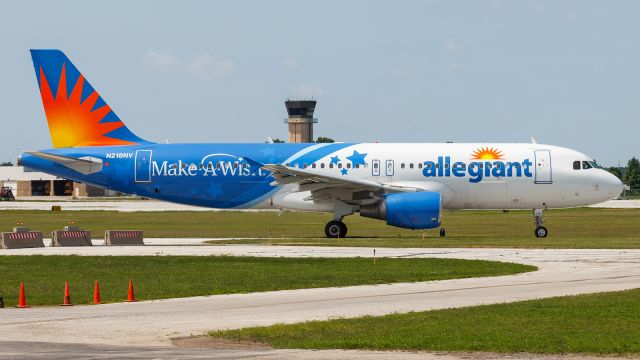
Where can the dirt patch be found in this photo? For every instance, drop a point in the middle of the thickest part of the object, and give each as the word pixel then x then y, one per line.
pixel 209 342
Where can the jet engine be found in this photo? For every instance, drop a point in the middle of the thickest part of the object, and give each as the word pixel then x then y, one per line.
pixel 411 210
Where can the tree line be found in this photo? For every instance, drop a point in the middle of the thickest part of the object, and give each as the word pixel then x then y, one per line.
pixel 630 174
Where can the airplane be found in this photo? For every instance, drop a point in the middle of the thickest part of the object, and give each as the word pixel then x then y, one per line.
pixel 405 184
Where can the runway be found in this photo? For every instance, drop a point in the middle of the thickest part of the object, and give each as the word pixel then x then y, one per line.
pixel 154 323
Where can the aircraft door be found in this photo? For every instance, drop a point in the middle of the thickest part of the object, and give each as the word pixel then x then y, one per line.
pixel 389 169
pixel 543 167
pixel 375 167
pixel 143 166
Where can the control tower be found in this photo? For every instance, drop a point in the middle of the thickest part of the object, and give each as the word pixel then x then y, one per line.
pixel 300 120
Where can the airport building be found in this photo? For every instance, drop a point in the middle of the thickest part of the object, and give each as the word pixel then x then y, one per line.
pixel 25 183
pixel 300 120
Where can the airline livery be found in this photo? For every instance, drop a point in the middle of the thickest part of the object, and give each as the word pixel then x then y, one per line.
pixel 407 185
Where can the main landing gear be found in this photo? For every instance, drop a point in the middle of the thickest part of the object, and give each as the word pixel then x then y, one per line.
pixel 541 231
pixel 335 229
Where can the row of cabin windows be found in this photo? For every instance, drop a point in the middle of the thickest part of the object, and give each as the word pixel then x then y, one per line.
pixel 585 165
pixel 330 165
pixel 428 166
pixel 210 165
pixel 218 166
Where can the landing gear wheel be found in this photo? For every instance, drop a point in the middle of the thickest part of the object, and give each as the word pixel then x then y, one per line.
pixel 335 229
pixel 541 231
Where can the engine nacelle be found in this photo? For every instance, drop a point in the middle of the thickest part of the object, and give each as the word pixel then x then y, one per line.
pixel 411 210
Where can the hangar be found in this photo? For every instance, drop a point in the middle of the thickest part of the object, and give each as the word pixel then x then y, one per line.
pixel 25 183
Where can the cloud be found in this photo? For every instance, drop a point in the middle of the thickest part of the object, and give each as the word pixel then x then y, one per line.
pixel 204 66
pixel 452 45
pixel 159 62
pixel 305 91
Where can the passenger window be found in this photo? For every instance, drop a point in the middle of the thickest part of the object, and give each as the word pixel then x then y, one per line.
pixel 402 165
pixel 357 166
pixel 348 166
pixel 304 166
pixel 322 165
pixel 331 166
pixel 586 165
pixel 411 166
pixel 576 165
pixel 218 166
pixel 313 165
pixel 339 165
pixel 375 165
pixel 419 165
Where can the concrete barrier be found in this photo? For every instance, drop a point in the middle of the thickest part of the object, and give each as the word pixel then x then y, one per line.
pixel 21 238
pixel 123 237
pixel 71 236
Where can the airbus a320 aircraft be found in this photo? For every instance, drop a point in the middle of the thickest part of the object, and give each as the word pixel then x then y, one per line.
pixel 406 185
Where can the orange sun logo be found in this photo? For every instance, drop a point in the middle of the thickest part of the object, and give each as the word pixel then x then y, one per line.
pixel 487 153
pixel 73 122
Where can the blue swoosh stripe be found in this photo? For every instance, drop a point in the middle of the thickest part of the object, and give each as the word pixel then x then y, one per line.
pixel 318 154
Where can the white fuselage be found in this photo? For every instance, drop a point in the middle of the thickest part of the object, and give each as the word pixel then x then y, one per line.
pixel 503 176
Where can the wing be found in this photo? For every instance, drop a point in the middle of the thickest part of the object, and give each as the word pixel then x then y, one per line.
pixel 324 186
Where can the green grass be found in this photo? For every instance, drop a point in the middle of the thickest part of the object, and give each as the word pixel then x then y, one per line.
pixel 160 277
pixel 605 323
pixel 568 228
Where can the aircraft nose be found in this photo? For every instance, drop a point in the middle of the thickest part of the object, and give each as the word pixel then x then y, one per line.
pixel 611 185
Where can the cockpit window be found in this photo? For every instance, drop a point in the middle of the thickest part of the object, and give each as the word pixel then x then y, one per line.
pixel 576 165
pixel 595 164
pixel 586 165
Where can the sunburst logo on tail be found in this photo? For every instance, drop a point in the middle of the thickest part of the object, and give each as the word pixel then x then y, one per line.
pixel 73 121
pixel 487 153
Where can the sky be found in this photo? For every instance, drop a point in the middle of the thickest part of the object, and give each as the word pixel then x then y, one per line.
pixel 564 72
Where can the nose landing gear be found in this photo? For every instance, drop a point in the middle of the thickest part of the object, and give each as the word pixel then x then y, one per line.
pixel 541 231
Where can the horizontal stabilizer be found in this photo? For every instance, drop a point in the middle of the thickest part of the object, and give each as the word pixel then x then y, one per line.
pixel 85 165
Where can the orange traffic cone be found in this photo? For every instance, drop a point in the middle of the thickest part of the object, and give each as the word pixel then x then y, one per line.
pixel 131 297
pixel 22 303
pixel 96 293
pixel 67 296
